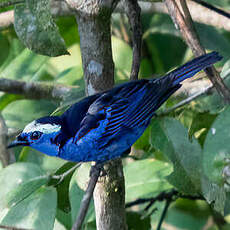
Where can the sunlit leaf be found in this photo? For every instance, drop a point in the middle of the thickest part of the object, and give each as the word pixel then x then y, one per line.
pixel 18 181
pixel 149 180
pixel 35 212
pixel 19 113
pixel 171 138
pixel 24 66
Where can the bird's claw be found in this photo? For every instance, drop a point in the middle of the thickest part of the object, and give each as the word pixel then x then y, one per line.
pixel 98 167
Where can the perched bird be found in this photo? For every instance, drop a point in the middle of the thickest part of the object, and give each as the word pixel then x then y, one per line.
pixel 104 126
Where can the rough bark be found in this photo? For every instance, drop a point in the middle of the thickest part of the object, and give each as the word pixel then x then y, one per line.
pixel 93 18
pixel 38 90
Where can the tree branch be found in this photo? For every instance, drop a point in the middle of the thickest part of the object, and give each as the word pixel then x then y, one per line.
pixel 37 90
pixel 165 195
pixel 93 18
pixel 185 24
pixel 133 12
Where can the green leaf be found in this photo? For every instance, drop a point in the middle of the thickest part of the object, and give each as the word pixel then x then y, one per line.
pixel 189 217
pixel 150 178
pixel 216 158
pixel 221 3
pixel 71 76
pixel 212 39
pixel 6 99
pixel 16 48
pixel 20 113
pixel 216 148
pixel 25 189
pixel 56 65
pixel 143 142
pixel 35 212
pixel 122 56
pixel 24 66
pixel 64 218
pixel 214 103
pixel 170 137
pixel 47 163
pixel 63 187
pixel 35 27
pixel 15 180
pixel 135 221
pixel 5 48
pixel 68 29
pixel 200 126
pixel 214 194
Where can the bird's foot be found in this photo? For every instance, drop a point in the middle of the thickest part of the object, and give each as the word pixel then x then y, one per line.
pixel 98 167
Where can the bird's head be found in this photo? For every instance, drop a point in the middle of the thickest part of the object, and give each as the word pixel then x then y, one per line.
pixel 41 135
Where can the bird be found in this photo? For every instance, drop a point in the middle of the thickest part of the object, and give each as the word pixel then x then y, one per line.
pixel 104 126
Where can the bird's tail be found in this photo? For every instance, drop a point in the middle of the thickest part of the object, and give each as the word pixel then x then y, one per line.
pixel 191 68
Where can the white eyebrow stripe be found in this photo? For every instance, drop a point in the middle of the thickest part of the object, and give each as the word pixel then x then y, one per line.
pixel 44 128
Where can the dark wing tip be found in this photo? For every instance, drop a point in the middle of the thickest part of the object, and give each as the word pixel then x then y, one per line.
pixel 214 55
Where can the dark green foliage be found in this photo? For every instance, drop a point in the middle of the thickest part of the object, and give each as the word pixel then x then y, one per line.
pixel 187 150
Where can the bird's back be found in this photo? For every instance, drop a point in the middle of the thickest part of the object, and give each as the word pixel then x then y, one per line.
pixel 107 124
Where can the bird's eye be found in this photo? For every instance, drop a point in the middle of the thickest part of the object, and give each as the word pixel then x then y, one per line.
pixel 35 135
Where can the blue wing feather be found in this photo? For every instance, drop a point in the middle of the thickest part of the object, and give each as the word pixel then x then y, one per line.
pixel 131 105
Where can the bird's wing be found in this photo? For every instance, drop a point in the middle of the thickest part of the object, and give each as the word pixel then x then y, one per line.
pixel 73 117
pixel 130 106
pixel 124 108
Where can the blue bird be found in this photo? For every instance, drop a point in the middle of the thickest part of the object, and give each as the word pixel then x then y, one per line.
pixel 104 126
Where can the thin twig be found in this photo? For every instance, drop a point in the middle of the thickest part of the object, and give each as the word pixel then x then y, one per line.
pixel 133 13
pixel 95 173
pixel 204 91
pixel 186 101
pixel 212 7
pixel 172 194
pixel 63 175
pixel 168 202
pixel 160 197
pixel 184 22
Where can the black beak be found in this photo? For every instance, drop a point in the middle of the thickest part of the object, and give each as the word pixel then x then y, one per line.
pixel 18 142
